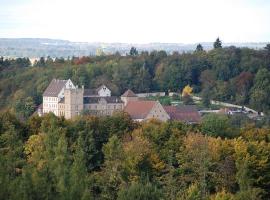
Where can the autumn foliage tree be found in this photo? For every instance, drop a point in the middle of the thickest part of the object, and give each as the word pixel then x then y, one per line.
pixel 186 95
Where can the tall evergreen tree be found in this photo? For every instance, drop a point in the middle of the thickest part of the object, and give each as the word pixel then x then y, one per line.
pixel 113 152
pixel 199 48
pixel 217 44
pixel 61 168
pixel 78 176
pixel 133 51
pixel 267 48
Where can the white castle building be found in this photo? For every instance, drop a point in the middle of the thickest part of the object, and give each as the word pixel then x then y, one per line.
pixel 63 98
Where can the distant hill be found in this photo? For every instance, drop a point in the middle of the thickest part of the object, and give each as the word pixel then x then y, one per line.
pixel 38 47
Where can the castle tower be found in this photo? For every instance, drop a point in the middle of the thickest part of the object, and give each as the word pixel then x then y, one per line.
pixel 73 102
pixel 129 95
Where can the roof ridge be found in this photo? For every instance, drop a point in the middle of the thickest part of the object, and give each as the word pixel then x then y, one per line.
pixel 129 93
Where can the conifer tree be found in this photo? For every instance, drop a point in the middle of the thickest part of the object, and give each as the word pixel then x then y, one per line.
pixel 78 176
pixel 62 168
pixel 199 48
pixel 217 44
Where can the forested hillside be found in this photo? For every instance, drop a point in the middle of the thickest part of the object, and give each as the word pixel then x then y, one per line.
pixel 223 158
pixel 237 75
pixel 115 158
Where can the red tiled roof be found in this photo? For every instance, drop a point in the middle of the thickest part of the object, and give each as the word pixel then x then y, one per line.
pixel 129 93
pixel 188 114
pixel 139 109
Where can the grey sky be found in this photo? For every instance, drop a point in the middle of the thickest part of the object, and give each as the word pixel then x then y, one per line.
pixel 141 21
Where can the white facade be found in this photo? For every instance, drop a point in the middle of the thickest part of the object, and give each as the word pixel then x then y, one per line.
pixel 62 98
pixel 151 94
pixel 50 103
pixel 103 91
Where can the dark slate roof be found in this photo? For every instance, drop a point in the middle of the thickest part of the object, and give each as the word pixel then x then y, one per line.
pixel 90 92
pixel 100 87
pixel 40 107
pixel 91 100
pixel 129 93
pixel 187 114
pixel 54 88
pixel 62 100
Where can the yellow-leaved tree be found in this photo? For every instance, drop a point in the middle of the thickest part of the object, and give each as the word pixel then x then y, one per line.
pixel 187 91
pixel 186 95
pixel 34 149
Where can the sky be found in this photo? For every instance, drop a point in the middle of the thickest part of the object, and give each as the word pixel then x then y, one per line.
pixel 137 21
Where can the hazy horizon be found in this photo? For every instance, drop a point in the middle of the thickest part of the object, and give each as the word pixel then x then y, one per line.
pixel 140 22
pixel 184 43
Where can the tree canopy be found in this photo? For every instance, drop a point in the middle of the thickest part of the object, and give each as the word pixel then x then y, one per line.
pixel 227 74
pixel 116 158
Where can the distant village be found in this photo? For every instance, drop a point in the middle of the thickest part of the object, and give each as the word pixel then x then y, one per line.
pixel 65 99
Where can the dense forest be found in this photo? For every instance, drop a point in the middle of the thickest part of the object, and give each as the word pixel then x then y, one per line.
pixel 115 158
pixel 230 74
pixel 223 158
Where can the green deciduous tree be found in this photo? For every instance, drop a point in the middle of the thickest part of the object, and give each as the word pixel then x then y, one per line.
pixel 216 125
pixel 140 191
pixel 260 92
